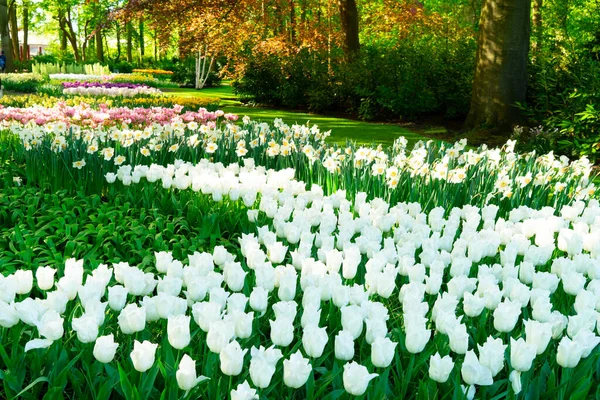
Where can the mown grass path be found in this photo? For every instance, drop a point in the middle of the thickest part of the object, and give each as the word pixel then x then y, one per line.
pixel 342 129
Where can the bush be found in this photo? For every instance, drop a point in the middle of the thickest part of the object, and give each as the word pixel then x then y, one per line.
pixel 184 73
pixel 563 99
pixel 23 83
pixel 410 80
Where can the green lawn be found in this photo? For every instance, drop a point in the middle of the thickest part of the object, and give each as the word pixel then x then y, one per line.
pixel 342 129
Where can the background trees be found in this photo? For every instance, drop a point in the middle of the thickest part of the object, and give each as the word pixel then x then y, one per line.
pixel 376 59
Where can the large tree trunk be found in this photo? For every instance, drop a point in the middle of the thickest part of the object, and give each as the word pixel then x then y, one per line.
pixel 4 36
pixel 14 29
pixel 129 42
pixel 99 45
pixel 61 32
pixel 26 30
pixel 141 41
pixel 536 20
pixel 501 66
pixel 118 31
pixel 349 23
pixel 98 34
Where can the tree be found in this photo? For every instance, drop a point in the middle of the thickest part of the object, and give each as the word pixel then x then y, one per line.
pixel 501 63
pixel 14 29
pixel 349 25
pixel 25 16
pixel 4 36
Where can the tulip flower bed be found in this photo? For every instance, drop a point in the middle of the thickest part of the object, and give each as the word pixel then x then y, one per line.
pixel 109 89
pixel 46 101
pixel 152 253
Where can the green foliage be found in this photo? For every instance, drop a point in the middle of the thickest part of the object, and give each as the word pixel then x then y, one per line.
pixel 407 81
pixel 184 73
pixel 22 83
pixel 563 99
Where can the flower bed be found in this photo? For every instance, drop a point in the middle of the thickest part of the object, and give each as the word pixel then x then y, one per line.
pixel 152 253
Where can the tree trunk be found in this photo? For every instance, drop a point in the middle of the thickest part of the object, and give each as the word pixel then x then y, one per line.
pixel 61 32
pixel 66 26
pixel 118 31
pixel 26 30
pixel 4 36
pixel 142 44
pixel 99 45
pixel 349 24
pixel 14 29
pixel 536 20
pixel 501 65
pixel 129 42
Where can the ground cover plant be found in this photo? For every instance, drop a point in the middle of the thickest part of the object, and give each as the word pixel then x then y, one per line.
pixel 159 253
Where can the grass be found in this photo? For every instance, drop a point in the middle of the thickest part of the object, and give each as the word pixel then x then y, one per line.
pixel 342 129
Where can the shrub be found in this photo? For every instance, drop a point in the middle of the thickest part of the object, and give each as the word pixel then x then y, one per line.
pixel 563 99
pixel 24 83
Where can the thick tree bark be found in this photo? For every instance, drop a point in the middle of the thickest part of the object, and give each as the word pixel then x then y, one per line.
pixel 349 23
pixel 536 20
pixel 61 32
pixel 501 65
pixel 118 31
pixel 14 29
pixel 99 45
pixel 129 42
pixel 141 41
pixel 98 33
pixel 25 30
pixel 4 36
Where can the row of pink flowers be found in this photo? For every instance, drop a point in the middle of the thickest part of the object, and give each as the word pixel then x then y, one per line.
pixel 84 115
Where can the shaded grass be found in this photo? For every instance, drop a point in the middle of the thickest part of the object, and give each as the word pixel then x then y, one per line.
pixel 342 129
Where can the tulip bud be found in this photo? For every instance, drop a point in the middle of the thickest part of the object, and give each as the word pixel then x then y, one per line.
pixel 105 348
pixel 262 365
pixel 352 320
pixel 163 260
pixel 45 277
pixel 506 316
pixel 296 370
pixel 282 331
pixel 382 352
pixel 186 374
pixel 344 346
pixel 356 378
pixel 440 368
pixel 259 299
pixel 314 340
pixel 178 331
pixel 243 392
pixel 538 334
pixel 569 353
pixel 219 334
pixel 8 315
pixel 51 325
pixel 522 354
pixel 132 319
pixel 491 354
pixel 232 359
pixel 143 354
pixel 117 297
pixel 23 281
pixel 473 373
pixel 86 328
